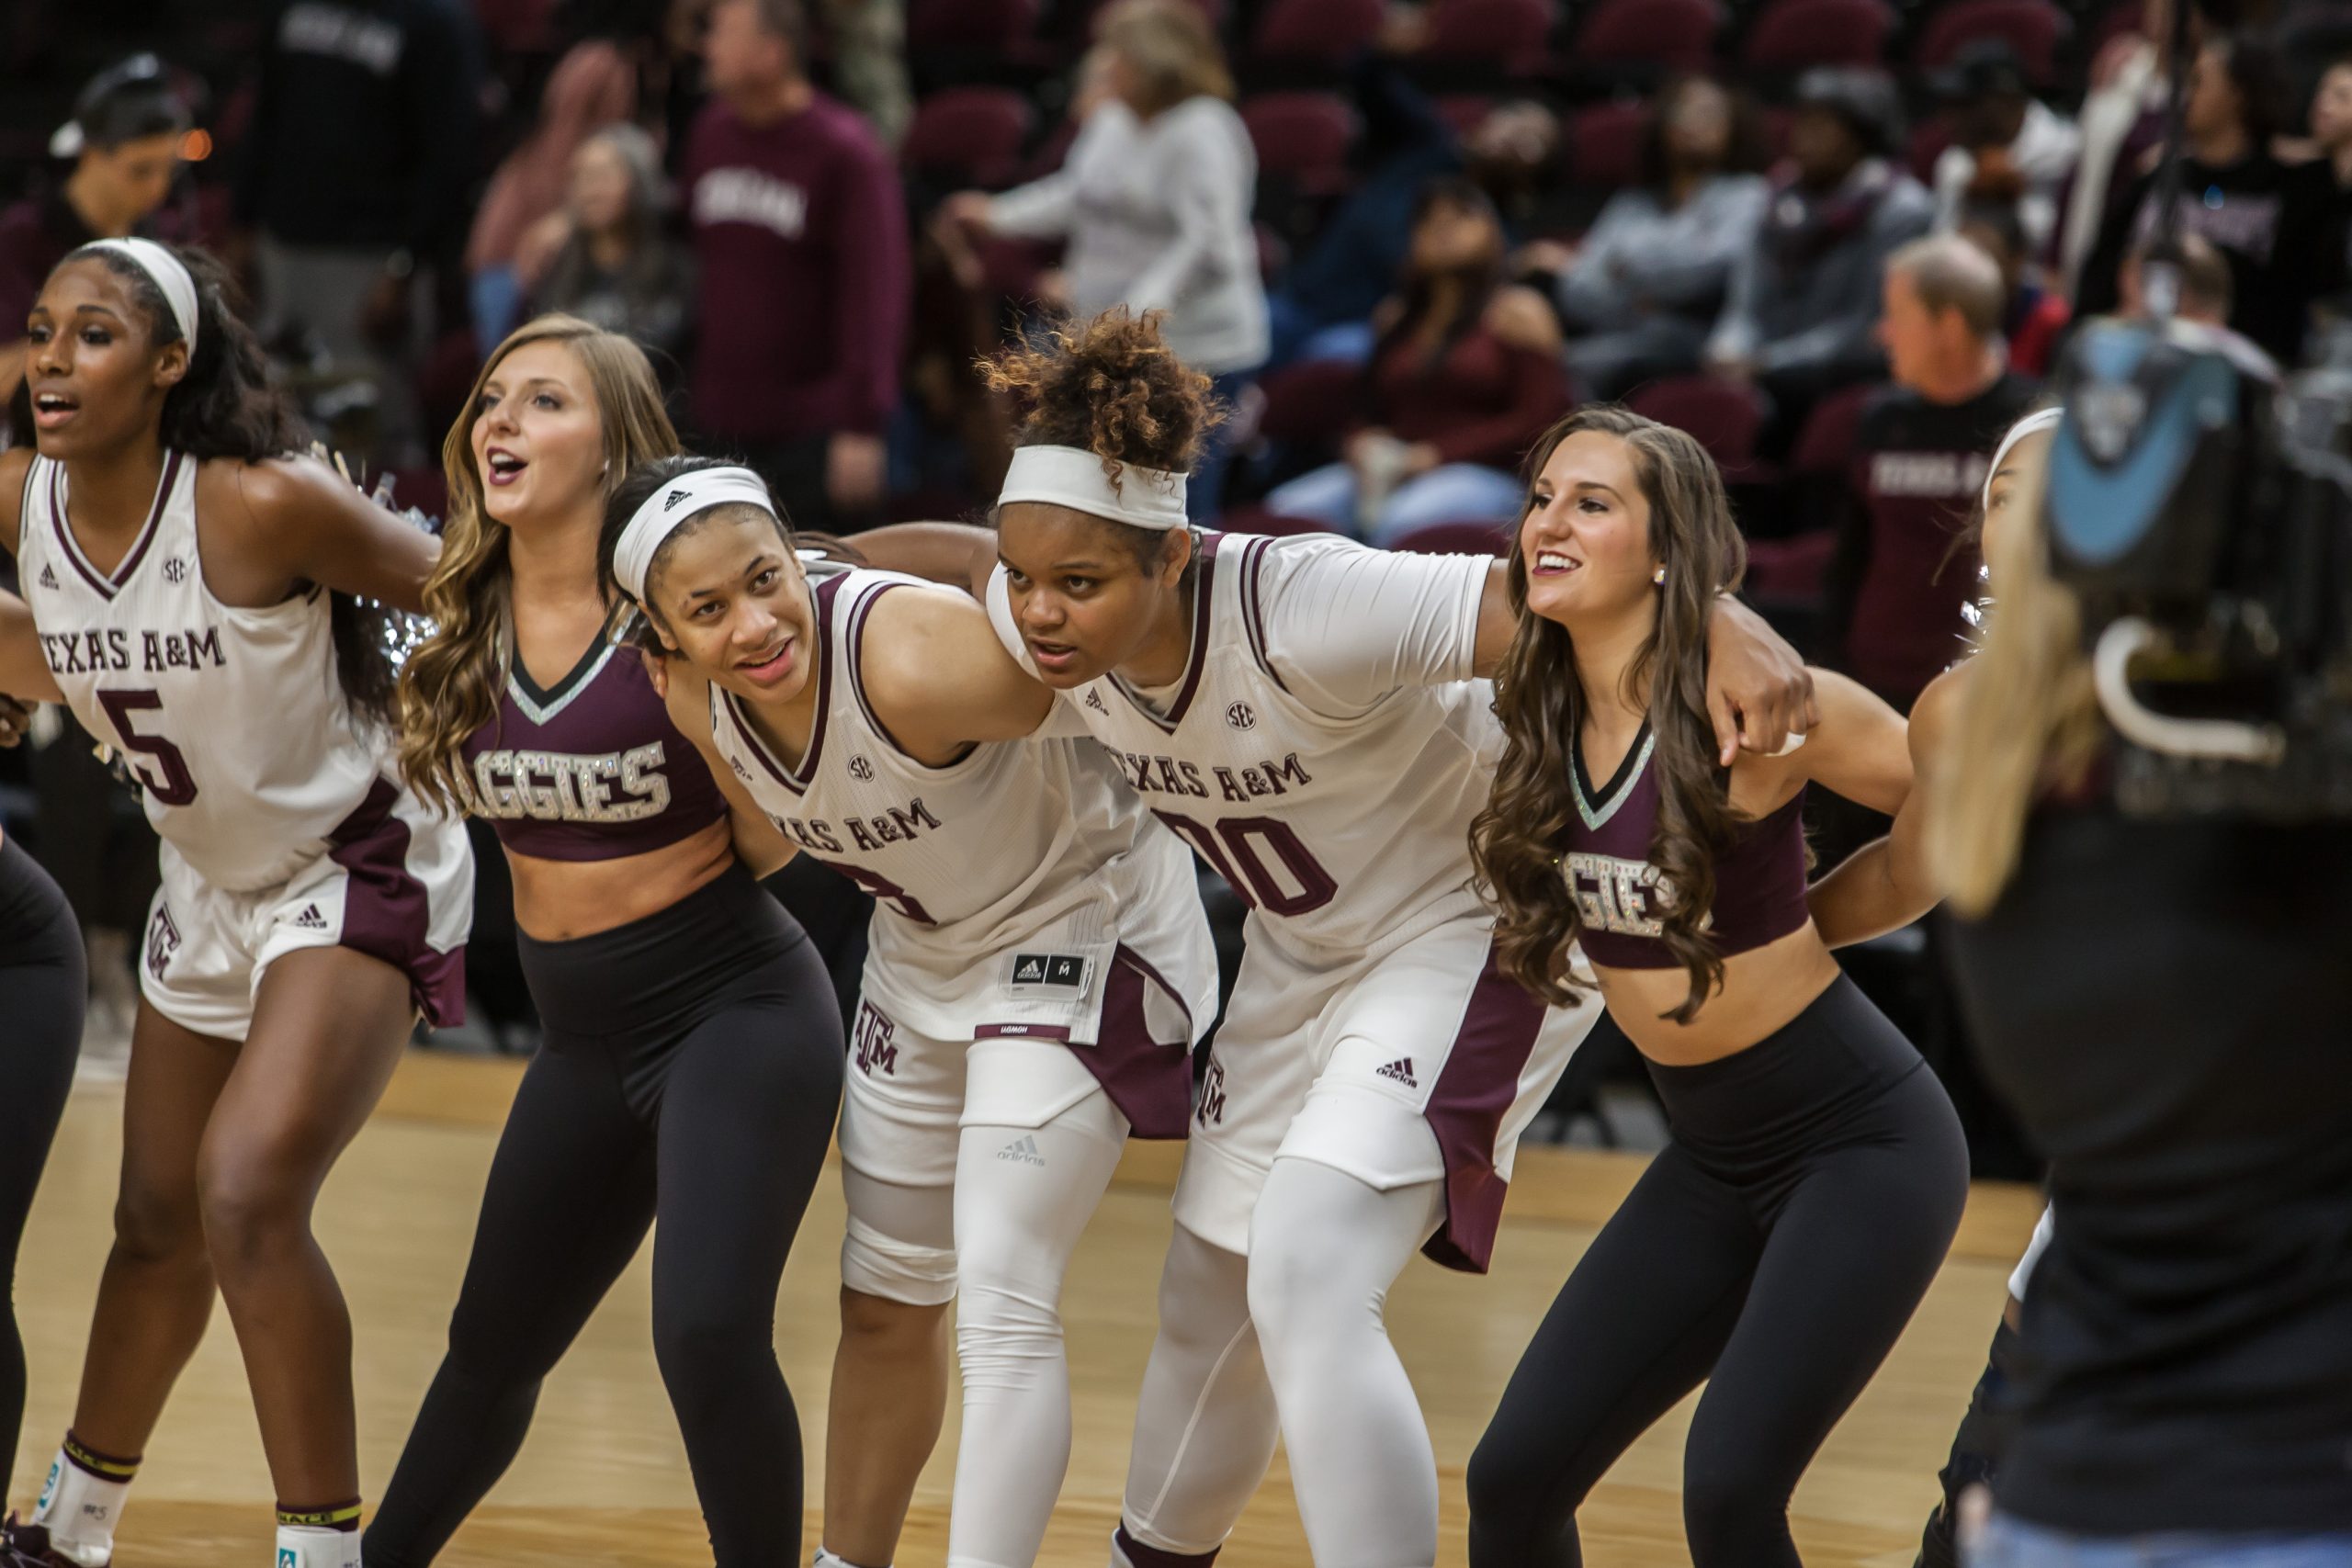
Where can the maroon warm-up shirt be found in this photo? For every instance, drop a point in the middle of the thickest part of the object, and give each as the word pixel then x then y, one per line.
pixel 800 233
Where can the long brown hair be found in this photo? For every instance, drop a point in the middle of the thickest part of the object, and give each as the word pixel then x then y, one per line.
pixel 449 686
pixel 1515 843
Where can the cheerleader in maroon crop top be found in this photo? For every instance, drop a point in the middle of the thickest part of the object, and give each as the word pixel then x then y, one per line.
pixel 1815 1174
pixel 693 1054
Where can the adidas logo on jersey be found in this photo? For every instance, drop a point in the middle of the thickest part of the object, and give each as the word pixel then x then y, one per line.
pixel 1401 1070
pixel 310 919
pixel 1023 1150
pixel 48 578
pixel 1049 969
pixel 740 770
pixel 1093 698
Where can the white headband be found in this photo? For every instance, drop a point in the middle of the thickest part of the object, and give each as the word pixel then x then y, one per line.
pixel 658 516
pixel 2033 423
pixel 170 275
pixel 1072 477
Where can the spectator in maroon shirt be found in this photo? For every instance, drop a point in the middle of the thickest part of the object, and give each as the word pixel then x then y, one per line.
pixel 1901 575
pixel 1465 375
pixel 799 230
pixel 124 140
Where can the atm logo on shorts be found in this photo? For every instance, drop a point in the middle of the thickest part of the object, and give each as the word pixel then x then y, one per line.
pixel 874 1043
pixel 1211 1110
pixel 162 940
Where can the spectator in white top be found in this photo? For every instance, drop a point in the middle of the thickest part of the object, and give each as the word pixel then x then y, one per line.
pixel 1640 292
pixel 1155 198
pixel 2008 146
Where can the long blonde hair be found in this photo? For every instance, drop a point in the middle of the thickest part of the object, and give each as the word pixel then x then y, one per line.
pixel 2026 719
pixel 1170 45
pixel 449 687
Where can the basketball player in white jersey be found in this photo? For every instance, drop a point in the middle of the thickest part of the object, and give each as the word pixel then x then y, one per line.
pixel 1039 969
pixel 186 578
pixel 1888 884
pixel 1304 714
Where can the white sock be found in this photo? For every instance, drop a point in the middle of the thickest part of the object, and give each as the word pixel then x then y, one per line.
pixel 317 1546
pixel 834 1560
pixel 80 1511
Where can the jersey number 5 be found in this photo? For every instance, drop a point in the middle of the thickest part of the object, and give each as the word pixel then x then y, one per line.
pixel 1231 846
pixel 177 787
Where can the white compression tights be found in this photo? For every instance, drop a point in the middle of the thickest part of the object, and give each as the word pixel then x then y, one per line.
pixel 1023 1197
pixel 1293 1335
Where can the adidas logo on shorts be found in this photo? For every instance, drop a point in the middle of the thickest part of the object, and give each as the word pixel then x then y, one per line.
pixel 1023 1150
pixel 310 919
pixel 48 578
pixel 1401 1069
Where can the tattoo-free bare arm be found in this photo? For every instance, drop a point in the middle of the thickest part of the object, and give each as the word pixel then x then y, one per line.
pixel 1886 883
pixel 316 525
pixel 955 553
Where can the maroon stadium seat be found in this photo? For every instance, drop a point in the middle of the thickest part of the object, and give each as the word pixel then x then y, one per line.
pixel 1790 571
pixel 971 134
pixel 1827 444
pixel 1722 415
pixel 1677 34
pixel 1303 136
pixel 1508 33
pixel 1326 31
pixel 1793 35
pixel 2032 28
pixel 1310 405
pixel 970 25
pixel 1457 539
pixel 1605 144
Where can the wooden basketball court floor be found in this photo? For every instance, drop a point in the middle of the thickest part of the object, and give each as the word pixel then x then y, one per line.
pixel 604 1481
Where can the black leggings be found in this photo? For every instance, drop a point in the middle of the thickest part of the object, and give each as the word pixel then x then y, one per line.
pixel 1775 1248
pixel 691 1071
pixel 43 985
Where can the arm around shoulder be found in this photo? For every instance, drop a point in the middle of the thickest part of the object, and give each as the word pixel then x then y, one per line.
pixel 309 523
pixel 758 842
pixel 938 676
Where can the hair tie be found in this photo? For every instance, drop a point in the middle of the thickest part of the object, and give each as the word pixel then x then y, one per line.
pixel 1073 476
pixel 659 514
pixel 171 276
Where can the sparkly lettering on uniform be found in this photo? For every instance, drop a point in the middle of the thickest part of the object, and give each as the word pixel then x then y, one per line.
pixel 556 786
pixel 1614 894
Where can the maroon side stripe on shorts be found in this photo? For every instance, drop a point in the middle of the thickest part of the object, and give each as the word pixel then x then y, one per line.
pixel 1466 1110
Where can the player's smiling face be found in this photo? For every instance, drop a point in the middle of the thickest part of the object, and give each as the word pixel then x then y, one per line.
pixel 730 598
pixel 1584 542
pixel 538 442
pixel 1084 604
pixel 93 370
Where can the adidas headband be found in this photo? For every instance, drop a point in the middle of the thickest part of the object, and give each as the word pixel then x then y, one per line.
pixel 171 276
pixel 1073 476
pixel 2033 423
pixel 660 513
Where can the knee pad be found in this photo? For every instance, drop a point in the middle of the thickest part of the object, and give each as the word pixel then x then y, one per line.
pixel 877 1264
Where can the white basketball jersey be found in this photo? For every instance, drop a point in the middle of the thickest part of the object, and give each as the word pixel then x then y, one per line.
pixel 1326 748
pixel 232 719
pixel 1021 850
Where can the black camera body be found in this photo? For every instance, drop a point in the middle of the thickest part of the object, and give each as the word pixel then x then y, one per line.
pixel 2201 511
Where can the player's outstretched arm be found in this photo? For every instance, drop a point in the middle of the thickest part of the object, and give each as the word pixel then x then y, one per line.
pixel 303 519
pixel 1886 884
pixel 953 553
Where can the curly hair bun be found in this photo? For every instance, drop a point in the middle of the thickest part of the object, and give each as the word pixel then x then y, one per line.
pixel 1113 387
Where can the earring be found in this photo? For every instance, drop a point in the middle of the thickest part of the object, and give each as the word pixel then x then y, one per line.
pixel 1658 577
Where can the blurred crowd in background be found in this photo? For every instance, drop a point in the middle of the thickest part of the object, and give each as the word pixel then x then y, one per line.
pixel 1840 240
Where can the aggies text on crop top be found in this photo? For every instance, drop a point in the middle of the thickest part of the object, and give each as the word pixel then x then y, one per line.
pixel 593 770
pixel 1759 877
